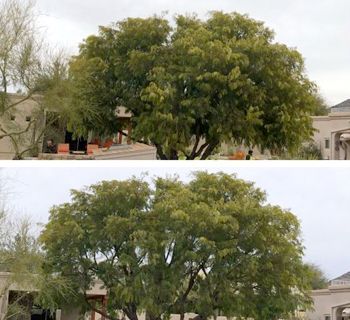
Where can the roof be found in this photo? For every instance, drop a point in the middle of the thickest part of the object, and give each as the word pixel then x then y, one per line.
pixel 344 277
pixel 341 107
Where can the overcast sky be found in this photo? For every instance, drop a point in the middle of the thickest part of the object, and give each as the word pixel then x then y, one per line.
pixel 318 196
pixel 320 29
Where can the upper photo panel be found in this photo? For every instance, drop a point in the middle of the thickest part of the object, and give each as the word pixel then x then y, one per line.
pixel 174 80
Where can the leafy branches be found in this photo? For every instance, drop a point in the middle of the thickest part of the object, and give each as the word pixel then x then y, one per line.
pixel 197 85
pixel 209 245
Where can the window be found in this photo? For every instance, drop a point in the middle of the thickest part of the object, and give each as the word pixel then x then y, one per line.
pixel 326 143
pixel 327 318
pixel 28 118
pixel 13 117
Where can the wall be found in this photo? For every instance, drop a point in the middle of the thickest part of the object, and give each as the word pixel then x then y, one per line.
pixel 325 299
pixel 23 110
pixel 325 125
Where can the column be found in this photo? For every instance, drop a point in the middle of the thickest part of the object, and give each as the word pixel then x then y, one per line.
pixel 120 138
pixel 129 133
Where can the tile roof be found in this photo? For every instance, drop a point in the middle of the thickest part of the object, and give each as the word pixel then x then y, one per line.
pixel 345 105
pixel 344 277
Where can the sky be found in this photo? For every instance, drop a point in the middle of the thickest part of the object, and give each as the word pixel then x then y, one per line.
pixel 319 197
pixel 318 29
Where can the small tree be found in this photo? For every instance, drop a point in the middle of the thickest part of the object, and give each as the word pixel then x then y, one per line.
pixel 318 280
pixel 26 65
pixel 22 259
pixel 19 60
pixel 322 108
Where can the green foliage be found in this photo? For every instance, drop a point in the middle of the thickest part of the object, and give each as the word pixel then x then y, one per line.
pixel 309 151
pixel 22 259
pixel 39 77
pixel 322 109
pixel 209 245
pixel 319 279
pixel 196 85
pixel 19 57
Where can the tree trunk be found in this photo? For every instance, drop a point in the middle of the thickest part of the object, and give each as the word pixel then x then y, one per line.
pixel 182 315
pixel 209 150
pixel 131 314
pixel 160 152
pixel 174 155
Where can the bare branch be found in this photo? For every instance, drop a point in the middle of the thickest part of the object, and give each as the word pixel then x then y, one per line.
pixel 12 134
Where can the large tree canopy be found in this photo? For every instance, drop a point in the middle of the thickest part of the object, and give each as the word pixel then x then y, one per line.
pixel 207 246
pixel 195 85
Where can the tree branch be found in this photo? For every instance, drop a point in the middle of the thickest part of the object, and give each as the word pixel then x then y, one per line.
pixel 27 97
pixel 209 150
pixel 6 134
pixel 201 149
pixel 160 152
pixel 102 313
pixel 126 135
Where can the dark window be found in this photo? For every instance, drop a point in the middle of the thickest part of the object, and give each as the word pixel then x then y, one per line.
pixel 13 117
pixel 326 144
pixel 28 118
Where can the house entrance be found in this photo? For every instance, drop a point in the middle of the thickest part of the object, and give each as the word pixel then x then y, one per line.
pixel 22 307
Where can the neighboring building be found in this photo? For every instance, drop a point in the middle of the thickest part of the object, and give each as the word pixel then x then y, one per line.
pixel 332 134
pixel 9 291
pixel 19 118
pixel 342 107
pixel 332 303
pixel 97 294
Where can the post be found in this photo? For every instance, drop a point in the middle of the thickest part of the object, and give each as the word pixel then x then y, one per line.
pixel 129 133
pixel 104 306
pixel 120 138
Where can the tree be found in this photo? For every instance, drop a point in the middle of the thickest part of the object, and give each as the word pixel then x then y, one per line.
pixel 28 66
pixel 319 279
pixel 19 61
pixel 22 259
pixel 322 108
pixel 199 84
pixel 209 245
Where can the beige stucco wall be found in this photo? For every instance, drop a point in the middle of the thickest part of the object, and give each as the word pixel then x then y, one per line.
pixel 64 314
pixel 325 126
pixel 327 299
pixel 29 107
pixel 3 294
pixel 21 111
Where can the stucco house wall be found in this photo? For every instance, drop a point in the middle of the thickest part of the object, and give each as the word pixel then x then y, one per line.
pixel 21 113
pixel 327 301
pixel 25 110
pixel 326 129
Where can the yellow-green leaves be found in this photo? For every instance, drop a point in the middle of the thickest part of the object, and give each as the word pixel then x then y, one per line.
pixel 173 247
pixel 196 85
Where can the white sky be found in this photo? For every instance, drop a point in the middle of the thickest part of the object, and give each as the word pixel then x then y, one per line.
pixel 319 29
pixel 318 196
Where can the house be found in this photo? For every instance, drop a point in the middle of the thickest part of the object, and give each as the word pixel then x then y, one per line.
pixel 96 294
pixel 9 291
pixel 332 303
pixel 18 119
pixel 332 133
pixel 22 117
